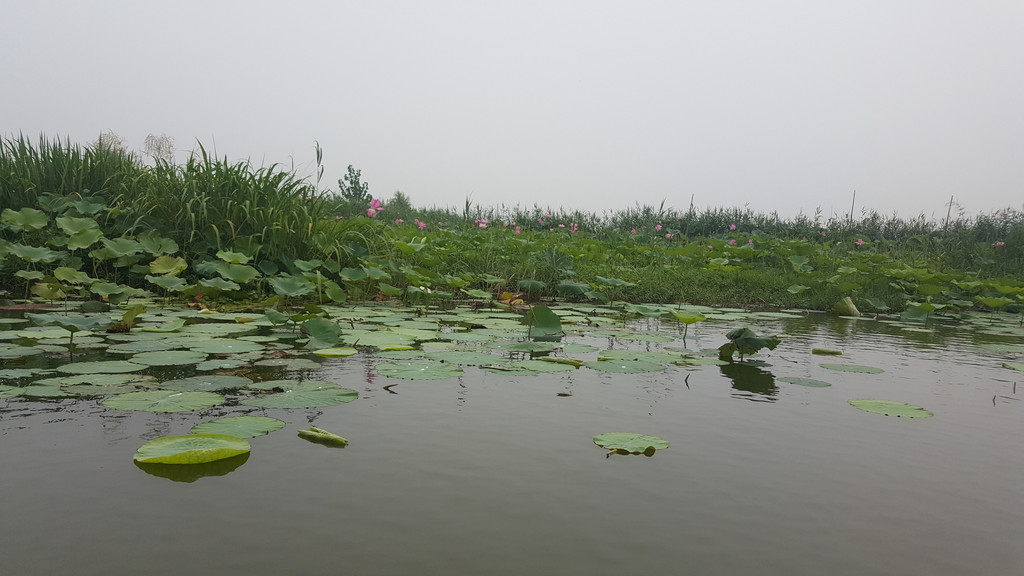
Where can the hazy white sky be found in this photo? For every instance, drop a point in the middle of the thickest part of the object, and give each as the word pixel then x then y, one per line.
pixel 782 105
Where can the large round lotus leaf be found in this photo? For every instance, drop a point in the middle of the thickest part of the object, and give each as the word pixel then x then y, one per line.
pixel 19 373
pixel 278 385
pixel 141 346
pixel 630 442
pixel 241 426
pixel 211 383
pixel 418 370
pixel 10 391
pixel 164 401
pixel 335 352
pixel 805 382
pixel 19 352
pixel 191 449
pixel 168 358
pixel 528 346
pixel 100 367
pixel 401 354
pixel 220 364
pixel 290 363
pixel 890 408
pixel 308 394
pixel 35 390
pixel 225 346
pixel 853 368
pixel 624 366
pixel 465 358
pixel 385 340
pixel 107 380
pixel 655 357
pixel 1014 366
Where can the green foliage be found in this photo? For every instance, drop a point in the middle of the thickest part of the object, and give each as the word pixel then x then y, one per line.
pixel 745 342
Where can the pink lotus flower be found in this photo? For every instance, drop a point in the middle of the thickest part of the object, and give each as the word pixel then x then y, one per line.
pixel 372 213
pixel 540 220
pixel 421 225
pixel 859 242
pixel 710 247
pixel 822 232
pixel 547 216
pixel 633 231
pixel 551 229
pixel 399 221
pixel 440 223
pixel 376 205
pixel 999 244
pixel 732 242
pixel 668 236
pixel 750 241
pixel 658 228
pixel 732 226
pixel 517 231
pixel 482 223
pixel 561 225
pixel 337 217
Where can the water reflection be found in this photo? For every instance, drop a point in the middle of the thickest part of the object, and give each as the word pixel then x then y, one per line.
pixel 193 472
pixel 751 382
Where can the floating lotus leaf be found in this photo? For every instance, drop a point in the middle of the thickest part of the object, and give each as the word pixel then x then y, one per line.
pixel 219 328
pixel 168 358
pixel 225 346
pixel 401 354
pixel 826 352
pixel 210 383
pixel 464 357
pixel 465 337
pixel 221 364
pixel 320 436
pixel 308 394
pixel 278 385
pixel 240 426
pixel 656 357
pixel 35 390
pixel 290 363
pixel 544 366
pixel 100 367
pixel 1014 366
pixel 19 373
pixel 853 368
pixel 335 352
pixel 19 352
pixel 579 348
pixel 105 379
pixel 624 366
pixel 418 370
pixel 10 391
pixel 139 346
pixel 532 347
pixel 164 401
pixel 191 449
pixel 630 443
pixel 805 382
pixel 640 337
pixel 385 340
pixel 890 408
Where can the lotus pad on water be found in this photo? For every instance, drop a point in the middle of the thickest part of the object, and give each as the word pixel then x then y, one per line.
pixel 630 443
pixel 853 368
pixel 418 370
pixel 307 394
pixel 890 408
pixel 191 449
pixel 164 401
pixel 240 426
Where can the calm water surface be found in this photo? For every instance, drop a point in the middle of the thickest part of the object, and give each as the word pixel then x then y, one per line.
pixel 491 474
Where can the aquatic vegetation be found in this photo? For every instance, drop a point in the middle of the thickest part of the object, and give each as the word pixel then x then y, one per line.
pixel 191 449
pixel 890 408
pixel 320 436
pixel 745 342
pixel 630 443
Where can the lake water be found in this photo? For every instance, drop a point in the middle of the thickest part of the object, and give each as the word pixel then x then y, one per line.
pixel 494 474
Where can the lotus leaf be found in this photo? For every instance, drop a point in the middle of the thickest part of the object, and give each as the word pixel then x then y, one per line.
pixel 853 368
pixel 466 358
pixel 624 366
pixel 418 370
pixel 805 382
pixel 164 401
pixel 291 286
pixel 225 346
pixel 320 436
pixel 290 363
pixel 240 426
pixel 630 443
pixel 100 367
pixel 237 272
pixel 168 358
pixel 544 322
pixel 210 383
pixel 25 219
pixel 307 394
pixel 335 352
pixel 191 449
pixel 890 408
pixel 1014 366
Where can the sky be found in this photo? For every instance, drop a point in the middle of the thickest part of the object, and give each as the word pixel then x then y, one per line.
pixel 784 106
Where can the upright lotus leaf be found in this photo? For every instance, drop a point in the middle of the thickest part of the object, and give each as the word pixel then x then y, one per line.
pixel 233 257
pixel 307 265
pixel 290 286
pixel 845 307
pixel 24 220
pixel 72 276
pixel 570 288
pixel 352 274
pixel 191 449
pixel 745 341
pixel 322 332
pixel 72 225
pixel 90 206
pixel 630 443
pixel 797 288
pixel 164 401
pixel 237 272
pixel 84 239
pixel 544 323
pixel 119 247
pixel 220 284
pixel 389 290
pixel 34 253
pixel 168 265
pixel 152 242
pixel 890 408
pixel 616 282
pixel 531 286
pixel 168 282
pixel 688 318
pixel 71 323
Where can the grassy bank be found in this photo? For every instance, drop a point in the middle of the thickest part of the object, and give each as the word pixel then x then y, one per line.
pixel 96 222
